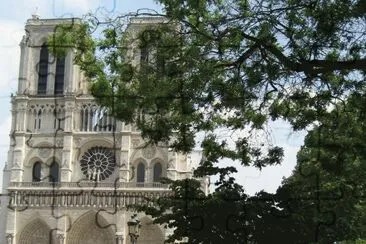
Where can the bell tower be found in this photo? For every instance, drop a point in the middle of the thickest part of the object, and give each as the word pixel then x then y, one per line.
pixel 70 159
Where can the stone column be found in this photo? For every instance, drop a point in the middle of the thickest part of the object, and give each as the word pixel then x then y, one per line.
pixel 51 74
pixel 124 174
pixel 60 238
pixel 23 66
pixel 67 142
pixel 119 238
pixel 148 171
pixel 16 174
pixel 9 238
pixel 10 226
pixel 70 85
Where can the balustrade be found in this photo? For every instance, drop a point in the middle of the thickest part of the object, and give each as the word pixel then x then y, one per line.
pixel 97 199
pixel 89 184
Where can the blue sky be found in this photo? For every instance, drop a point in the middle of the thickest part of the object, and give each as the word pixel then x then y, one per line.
pixel 13 15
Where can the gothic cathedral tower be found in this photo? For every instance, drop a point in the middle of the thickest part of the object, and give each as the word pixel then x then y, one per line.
pixel 72 168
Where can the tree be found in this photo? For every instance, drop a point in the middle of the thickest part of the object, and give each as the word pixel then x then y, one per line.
pixel 226 64
pixel 327 188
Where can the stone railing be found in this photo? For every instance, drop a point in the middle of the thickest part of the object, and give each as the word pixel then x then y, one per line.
pixel 23 199
pixel 89 184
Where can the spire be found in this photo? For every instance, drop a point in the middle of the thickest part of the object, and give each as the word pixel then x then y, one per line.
pixel 35 14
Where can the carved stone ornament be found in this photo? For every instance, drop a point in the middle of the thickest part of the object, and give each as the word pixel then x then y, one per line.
pixel 170 165
pixel 16 164
pixel 98 163
pixel 124 165
pixel 65 165
pixel 70 106
pixel 118 142
pixel 44 152
pixel 77 142
pixel 9 238
pixel 30 142
pixel 119 237
pixel 135 142
pixel 60 238
pixel 59 143
pixel 149 152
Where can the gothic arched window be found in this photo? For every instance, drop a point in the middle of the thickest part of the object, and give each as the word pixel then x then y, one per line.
pixel 60 76
pixel 54 172
pixel 43 70
pixel 157 171
pixel 140 172
pixel 36 172
pixel 144 55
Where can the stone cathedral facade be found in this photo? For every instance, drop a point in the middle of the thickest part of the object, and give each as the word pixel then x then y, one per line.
pixel 72 169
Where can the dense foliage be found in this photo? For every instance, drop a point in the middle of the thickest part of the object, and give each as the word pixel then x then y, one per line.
pixel 238 64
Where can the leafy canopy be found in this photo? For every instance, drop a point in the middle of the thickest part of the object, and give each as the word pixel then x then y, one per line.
pixel 231 64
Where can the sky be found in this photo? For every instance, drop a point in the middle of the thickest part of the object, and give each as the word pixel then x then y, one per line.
pixel 13 16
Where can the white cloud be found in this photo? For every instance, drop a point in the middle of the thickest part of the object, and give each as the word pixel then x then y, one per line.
pixel 270 177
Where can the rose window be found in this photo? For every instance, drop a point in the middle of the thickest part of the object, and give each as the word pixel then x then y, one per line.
pixel 98 163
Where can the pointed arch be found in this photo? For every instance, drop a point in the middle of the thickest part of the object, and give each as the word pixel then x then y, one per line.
pixel 36 172
pixel 54 172
pixel 37 231
pixel 144 55
pixel 91 227
pixel 60 76
pixel 140 172
pixel 43 70
pixel 158 171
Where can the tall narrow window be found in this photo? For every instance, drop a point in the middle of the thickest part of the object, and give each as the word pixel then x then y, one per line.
pixel 160 62
pixel 140 172
pixel 144 55
pixel 38 120
pixel 43 70
pixel 157 171
pixel 54 172
pixel 36 172
pixel 60 76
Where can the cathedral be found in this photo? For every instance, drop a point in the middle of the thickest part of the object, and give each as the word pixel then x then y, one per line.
pixel 72 168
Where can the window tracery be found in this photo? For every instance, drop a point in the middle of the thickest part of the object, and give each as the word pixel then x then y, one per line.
pixel 95 118
pixel 140 173
pixel 60 76
pixel 43 70
pixel 54 172
pixel 36 172
pixel 98 163
pixel 158 170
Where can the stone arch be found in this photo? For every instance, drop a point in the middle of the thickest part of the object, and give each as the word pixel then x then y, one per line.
pixel 52 159
pixel 93 142
pixel 40 152
pixel 36 232
pixel 91 228
pixel 38 41
pixel 28 163
pixel 157 171
pixel 28 167
pixel 135 164
pixel 154 162
pixel 140 172
pixel 84 146
pixel 37 172
pixel 150 233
